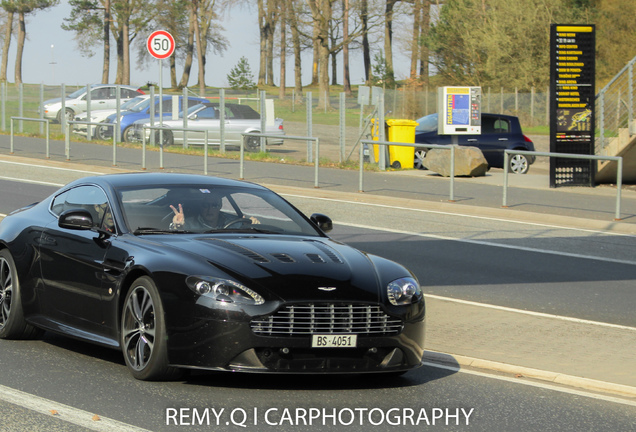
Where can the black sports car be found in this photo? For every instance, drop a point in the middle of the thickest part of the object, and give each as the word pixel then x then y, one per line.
pixel 183 271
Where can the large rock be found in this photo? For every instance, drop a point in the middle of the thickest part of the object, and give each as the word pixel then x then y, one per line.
pixel 469 162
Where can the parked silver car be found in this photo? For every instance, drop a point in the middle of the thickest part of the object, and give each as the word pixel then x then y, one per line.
pixel 102 96
pixel 101 115
pixel 239 119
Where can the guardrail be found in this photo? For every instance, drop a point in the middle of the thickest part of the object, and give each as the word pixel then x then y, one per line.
pixel 619 171
pixel 616 106
pixel 67 136
pixel 286 137
pixel 35 120
pixel 163 129
pixel 403 144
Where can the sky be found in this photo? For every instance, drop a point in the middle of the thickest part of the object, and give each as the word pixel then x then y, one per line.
pixel 51 55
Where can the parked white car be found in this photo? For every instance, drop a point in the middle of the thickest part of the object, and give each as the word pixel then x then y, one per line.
pixel 239 119
pixel 102 96
pixel 100 115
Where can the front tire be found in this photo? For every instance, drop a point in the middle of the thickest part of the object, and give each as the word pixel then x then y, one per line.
pixel 418 163
pixel 143 333
pixel 129 134
pixel 518 164
pixel 69 113
pixel 168 138
pixel 12 322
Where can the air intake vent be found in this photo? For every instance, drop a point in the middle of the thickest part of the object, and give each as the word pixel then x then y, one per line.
pixel 315 258
pixel 331 254
pixel 307 319
pixel 241 250
pixel 282 257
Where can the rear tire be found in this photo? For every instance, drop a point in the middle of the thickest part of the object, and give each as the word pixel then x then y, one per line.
pixel 518 164
pixel 12 322
pixel 253 144
pixel 168 138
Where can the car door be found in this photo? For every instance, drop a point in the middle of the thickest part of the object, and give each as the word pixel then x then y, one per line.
pixel 101 98
pixel 72 261
pixel 495 137
pixel 205 119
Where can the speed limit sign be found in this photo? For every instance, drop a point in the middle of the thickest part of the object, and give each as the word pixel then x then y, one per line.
pixel 160 44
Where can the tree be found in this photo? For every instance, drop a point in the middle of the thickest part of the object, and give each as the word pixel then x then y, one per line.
pixel 7 43
pixel 241 77
pixel 126 20
pixel 497 42
pixel 22 8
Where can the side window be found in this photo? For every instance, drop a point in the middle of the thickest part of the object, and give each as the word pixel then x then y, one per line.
pixel 488 125
pixel 502 126
pixel 207 113
pixel 89 198
pixel 128 93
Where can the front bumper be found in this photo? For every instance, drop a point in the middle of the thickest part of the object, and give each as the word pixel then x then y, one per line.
pixel 230 345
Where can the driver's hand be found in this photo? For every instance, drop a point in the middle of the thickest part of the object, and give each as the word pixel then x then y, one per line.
pixel 254 220
pixel 179 218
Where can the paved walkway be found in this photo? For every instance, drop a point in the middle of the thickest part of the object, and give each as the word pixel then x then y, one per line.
pixel 571 352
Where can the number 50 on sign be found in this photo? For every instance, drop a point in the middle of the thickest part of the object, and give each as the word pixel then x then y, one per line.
pixel 160 44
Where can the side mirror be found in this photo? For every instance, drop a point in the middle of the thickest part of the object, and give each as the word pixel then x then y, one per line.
pixel 324 222
pixel 194 116
pixel 76 219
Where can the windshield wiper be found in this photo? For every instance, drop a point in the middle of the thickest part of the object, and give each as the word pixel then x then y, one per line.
pixel 150 230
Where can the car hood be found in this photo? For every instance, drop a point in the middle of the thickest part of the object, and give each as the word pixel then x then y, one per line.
pixel 290 267
pixel 52 101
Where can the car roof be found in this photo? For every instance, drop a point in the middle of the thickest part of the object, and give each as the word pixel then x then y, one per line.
pixel 141 179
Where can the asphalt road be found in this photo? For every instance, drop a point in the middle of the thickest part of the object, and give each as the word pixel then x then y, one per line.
pixel 582 273
pixel 94 380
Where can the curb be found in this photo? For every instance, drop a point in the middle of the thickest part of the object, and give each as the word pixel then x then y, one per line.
pixel 464 362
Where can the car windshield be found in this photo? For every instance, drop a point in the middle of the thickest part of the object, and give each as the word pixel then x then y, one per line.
pixel 427 124
pixel 77 93
pixel 132 102
pixel 209 209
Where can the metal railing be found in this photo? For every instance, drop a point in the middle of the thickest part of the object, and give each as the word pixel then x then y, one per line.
pixel 615 107
pixel 164 129
pixel 403 144
pixel 619 171
pixel 286 137
pixel 35 120
pixel 67 136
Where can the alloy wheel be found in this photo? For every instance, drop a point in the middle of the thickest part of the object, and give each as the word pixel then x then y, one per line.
pixel 6 290
pixel 138 327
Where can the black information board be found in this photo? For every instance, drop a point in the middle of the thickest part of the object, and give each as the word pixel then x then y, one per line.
pixel 572 94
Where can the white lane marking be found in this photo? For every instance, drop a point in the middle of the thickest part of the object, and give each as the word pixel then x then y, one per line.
pixel 64 412
pixel 443 213
pixel 487 243
pixel 49 167
pixel 535 384
pixel 31 181
pixel 531 313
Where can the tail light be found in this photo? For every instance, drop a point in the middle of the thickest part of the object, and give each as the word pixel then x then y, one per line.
pixel 526 139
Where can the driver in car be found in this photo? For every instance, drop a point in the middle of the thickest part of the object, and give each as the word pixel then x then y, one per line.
pixel 210 216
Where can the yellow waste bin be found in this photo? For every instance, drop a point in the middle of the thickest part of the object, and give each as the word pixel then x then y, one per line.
pixel 400 130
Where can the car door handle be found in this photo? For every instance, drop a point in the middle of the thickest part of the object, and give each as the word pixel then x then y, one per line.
pixel 472 140
pixel 503 139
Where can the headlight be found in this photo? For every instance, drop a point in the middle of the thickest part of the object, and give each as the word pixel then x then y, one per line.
pixel 404 291
pixel 224 290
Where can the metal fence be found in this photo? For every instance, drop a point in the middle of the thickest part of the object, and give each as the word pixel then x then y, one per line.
pixel 615 107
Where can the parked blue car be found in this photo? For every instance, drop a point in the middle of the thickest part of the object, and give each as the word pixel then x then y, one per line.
pixel 499 132
pixel 142 112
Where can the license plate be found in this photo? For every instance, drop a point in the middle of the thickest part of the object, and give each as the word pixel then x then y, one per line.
pixel 334 341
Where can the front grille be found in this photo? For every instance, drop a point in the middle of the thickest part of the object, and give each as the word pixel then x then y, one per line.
pixel 307 319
